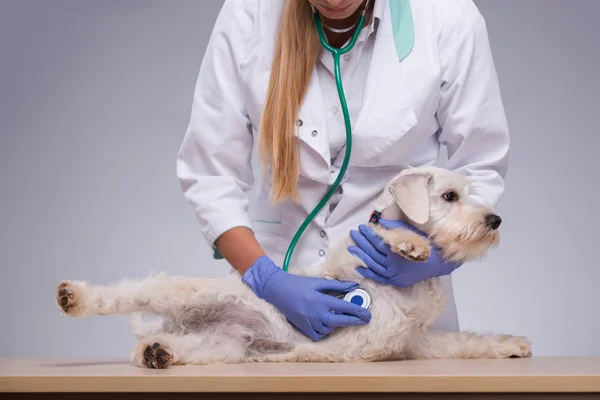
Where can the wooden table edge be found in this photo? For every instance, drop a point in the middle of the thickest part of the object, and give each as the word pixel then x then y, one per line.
pixel 301 384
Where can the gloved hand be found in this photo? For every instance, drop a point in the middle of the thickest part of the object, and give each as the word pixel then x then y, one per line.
pixel 387 267
pixel 301 300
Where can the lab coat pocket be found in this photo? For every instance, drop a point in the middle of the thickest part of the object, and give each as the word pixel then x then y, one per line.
pixel 266 217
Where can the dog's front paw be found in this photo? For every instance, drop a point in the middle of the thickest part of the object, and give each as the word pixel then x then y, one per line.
pixel 414 248
pixel 69 297
pixel 514 347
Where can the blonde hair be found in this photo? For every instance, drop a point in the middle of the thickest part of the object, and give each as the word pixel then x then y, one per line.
pixel 296 52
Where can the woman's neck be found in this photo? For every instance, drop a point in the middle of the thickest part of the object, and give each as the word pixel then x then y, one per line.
pixel 337 39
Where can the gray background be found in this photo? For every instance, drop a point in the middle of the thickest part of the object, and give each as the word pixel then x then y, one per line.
pixel 94 102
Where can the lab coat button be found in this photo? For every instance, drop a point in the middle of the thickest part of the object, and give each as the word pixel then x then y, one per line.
pixel 321 253
pixel 348 57
pixel 299 122
pixel 322 233
pixel 314 133
pixel 334 110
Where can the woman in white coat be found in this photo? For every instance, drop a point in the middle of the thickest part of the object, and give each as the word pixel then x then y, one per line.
pixel 420 75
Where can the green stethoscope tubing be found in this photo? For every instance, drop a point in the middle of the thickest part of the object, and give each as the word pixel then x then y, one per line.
pixel 337 53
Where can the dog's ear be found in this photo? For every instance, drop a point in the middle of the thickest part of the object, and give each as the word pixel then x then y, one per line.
pixel 411 193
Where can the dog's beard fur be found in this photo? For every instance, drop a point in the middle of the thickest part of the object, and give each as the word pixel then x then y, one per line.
pixel 464 235
pixel 222 321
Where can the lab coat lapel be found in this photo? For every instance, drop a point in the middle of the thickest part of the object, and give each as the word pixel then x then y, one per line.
pixel 386 113
pixel 312 132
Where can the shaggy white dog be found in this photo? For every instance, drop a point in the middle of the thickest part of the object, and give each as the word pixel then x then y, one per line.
pixel 223 321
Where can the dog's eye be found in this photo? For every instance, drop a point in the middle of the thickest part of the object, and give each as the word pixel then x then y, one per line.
pixel 450 196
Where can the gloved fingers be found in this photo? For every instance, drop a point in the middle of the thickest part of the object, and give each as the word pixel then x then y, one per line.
pixel 375 240
pixel 367 273
pixel 369 262
pixel 392 224
pixel 316 329
pixel 455 264
pixel 339 306
pixel 314 335
pixel 341 320
pixel 334 285
pixel 436 259
pixel 306 327
pixel 367 246
pixel 321 329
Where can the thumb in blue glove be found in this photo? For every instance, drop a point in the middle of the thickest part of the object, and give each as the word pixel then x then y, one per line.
pixel 386 267
pixel 302 301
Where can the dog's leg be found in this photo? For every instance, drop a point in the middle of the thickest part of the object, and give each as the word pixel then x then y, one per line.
pixel 208 347
pixel 439 344
pixel 162 350
pixel 158 295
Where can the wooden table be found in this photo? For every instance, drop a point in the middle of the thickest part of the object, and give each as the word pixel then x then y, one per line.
pixel 558 377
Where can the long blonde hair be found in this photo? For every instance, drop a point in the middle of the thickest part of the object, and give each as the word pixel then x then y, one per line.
pixel 296 52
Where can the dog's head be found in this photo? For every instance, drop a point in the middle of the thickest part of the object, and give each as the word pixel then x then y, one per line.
pixel 437 202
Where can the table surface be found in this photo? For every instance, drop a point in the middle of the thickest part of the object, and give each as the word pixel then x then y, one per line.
pixel 537 374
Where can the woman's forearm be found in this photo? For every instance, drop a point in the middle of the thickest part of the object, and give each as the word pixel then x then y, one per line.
pixel 239 247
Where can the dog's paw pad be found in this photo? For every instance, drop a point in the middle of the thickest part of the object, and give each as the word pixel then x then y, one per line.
pixel 69 298
pixel 415 251
pixel 156 356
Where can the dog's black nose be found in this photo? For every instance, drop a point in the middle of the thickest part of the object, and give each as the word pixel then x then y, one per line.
pixel 493 221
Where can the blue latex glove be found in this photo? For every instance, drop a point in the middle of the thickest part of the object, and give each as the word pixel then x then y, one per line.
pixel 301 300
pixel 387 267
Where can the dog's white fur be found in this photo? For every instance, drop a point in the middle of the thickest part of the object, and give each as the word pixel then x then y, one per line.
pixel 223 321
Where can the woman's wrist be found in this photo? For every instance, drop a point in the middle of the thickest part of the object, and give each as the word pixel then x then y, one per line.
pixel 240 248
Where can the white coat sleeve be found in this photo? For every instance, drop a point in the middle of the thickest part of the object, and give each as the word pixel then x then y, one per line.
pixel 214 159
pixel 472 119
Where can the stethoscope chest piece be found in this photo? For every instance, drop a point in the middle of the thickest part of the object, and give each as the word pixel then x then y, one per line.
pixel 360 297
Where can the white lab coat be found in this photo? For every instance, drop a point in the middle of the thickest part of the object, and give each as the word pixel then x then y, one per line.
pixel 444 92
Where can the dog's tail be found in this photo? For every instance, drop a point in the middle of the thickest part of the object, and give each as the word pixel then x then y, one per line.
pixel 141 328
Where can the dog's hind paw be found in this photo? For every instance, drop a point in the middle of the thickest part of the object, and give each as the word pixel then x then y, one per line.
pixel 156 356
pixel 69 298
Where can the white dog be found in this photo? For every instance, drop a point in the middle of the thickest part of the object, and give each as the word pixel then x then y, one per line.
pixel 222 321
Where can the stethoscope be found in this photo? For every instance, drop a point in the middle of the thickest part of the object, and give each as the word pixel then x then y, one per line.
pixel 337 53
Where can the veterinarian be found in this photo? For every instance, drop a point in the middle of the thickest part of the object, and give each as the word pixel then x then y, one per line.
pixel 420 75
